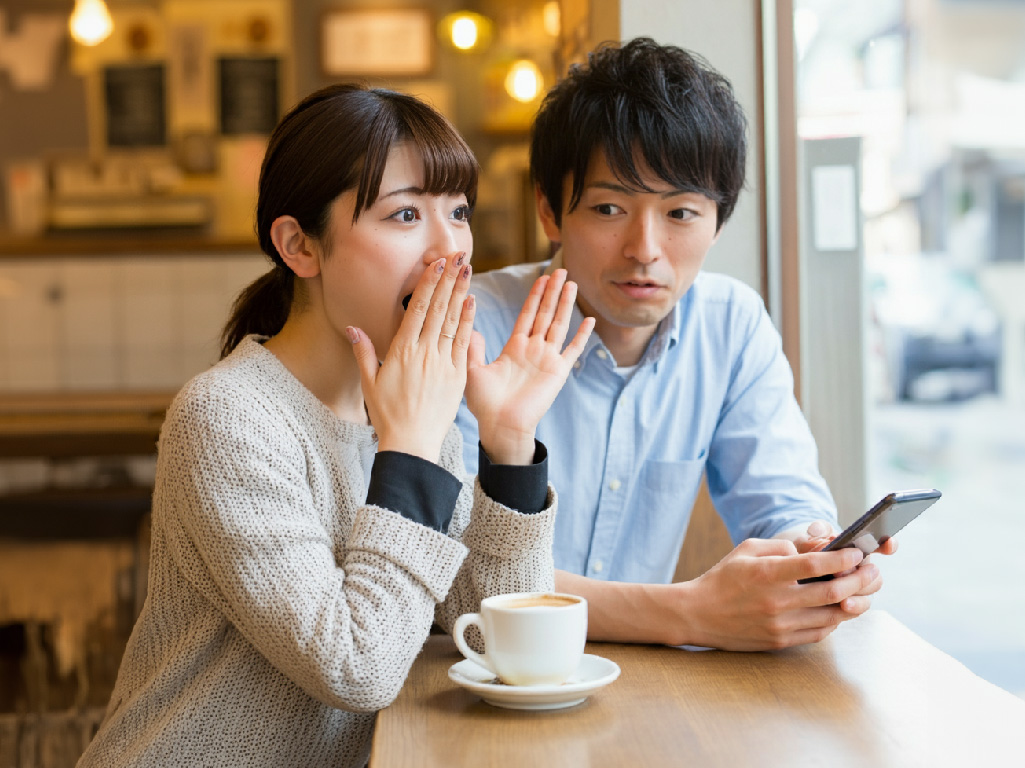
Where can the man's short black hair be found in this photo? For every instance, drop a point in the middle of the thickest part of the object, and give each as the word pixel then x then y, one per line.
pixel 665 102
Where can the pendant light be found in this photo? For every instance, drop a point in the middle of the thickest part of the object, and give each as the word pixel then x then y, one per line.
pixel 90 22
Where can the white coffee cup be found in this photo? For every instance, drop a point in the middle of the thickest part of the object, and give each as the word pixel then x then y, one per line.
pixel 530 638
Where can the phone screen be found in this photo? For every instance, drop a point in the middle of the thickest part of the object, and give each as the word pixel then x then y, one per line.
pixel 884 520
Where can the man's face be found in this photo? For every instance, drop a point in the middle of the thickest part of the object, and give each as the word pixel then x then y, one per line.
pixel 632 253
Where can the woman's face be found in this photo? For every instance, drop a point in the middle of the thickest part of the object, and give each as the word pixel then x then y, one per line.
pixel 372 265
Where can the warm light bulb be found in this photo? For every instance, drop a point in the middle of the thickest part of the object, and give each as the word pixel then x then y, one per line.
pixel 464 33
pixel 90 22
pixel 524 81
pixel 465 30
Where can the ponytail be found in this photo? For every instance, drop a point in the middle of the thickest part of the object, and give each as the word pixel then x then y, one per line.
pixel 262 308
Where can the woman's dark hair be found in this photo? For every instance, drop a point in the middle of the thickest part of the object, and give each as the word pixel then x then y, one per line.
pixel 335 140
pixel 666 102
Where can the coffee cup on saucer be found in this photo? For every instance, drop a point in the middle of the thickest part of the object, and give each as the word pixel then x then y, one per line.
pixel 530 638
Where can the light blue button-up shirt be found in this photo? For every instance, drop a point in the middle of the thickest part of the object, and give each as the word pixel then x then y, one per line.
pixel 712 394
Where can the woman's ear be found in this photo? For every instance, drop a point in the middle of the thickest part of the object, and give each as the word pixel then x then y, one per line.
pixel 297 250
pixel 547 216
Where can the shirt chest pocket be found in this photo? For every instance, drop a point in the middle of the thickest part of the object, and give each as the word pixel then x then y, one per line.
pixel 668 488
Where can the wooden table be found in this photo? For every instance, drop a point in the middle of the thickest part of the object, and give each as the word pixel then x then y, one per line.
pixel 873 694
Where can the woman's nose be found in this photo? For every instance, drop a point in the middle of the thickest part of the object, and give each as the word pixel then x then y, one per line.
pixel 442 240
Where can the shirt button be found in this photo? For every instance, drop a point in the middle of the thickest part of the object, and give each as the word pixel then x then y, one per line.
pixel 602 354
pixel 614 485
pixel 576 364
pixel 598 566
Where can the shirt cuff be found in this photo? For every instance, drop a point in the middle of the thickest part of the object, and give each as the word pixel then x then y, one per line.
pixel 522 488
pixel 415 488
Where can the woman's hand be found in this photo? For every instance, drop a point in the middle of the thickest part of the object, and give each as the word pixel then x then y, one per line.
pixel 413 395
pixel 510 395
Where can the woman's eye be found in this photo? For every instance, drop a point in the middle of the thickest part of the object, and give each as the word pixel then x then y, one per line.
pixel 462 213
pixel 406 215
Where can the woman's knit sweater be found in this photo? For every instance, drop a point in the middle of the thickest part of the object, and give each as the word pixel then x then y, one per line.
pixel 283 610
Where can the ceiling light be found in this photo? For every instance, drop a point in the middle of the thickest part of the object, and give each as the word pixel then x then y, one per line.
pixel 524 81
pixel 465 30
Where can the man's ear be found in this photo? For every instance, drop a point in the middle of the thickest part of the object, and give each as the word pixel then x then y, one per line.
pixel 547 216
pixel 299 252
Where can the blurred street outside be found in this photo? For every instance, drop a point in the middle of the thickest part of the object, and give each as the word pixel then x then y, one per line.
pixel 958 579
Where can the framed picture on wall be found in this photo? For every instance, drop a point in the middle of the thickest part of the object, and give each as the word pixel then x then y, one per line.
pixel 135 101
pixel 376 43
pixel 249 89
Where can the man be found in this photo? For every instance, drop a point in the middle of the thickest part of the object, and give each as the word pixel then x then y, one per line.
pixel 638 159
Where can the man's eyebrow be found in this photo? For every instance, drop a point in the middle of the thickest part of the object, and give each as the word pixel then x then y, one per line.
pixel 403 191
pixel 623 189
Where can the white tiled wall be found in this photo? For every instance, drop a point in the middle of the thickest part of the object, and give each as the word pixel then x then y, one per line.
pixel 121 323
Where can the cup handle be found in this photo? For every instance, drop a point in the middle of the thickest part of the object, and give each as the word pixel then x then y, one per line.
pixel 457 634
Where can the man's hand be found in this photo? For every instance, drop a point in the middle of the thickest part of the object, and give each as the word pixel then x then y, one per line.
pixel 749 601
pixel 817 536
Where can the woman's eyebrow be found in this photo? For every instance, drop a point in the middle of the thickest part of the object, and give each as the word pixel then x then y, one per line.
pixel 403 191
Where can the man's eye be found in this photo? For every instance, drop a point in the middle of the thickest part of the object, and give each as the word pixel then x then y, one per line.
pixel 682 213
pixel 606 209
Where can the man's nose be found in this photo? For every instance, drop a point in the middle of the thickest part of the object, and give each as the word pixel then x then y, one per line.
pixel 644 239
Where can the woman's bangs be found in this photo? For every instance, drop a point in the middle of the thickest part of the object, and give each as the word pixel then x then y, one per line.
pixel 449 165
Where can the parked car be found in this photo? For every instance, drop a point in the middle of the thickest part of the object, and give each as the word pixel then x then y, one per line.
pixel 940 338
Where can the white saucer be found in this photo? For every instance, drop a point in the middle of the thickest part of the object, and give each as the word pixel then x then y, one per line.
pixel 593 673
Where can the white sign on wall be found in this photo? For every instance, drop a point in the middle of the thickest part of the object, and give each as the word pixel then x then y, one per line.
pixel 834 208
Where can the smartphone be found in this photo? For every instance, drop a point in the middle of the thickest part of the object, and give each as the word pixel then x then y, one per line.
pixel 872 529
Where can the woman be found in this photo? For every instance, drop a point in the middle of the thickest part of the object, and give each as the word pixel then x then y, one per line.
pixel 310 520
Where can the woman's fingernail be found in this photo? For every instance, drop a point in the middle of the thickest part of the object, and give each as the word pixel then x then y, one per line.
pixel 352 333
pixel 461 259
pixel 439 266
pixel 470 301
pixel 466 272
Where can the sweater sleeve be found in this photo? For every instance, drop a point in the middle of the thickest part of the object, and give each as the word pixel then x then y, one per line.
pixel 509 551
pixel 342 615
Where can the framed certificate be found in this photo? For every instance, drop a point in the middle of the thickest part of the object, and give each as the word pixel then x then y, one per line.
pixel 376 43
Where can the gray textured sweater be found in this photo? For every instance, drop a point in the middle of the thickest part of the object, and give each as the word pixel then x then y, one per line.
pixel 283 611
